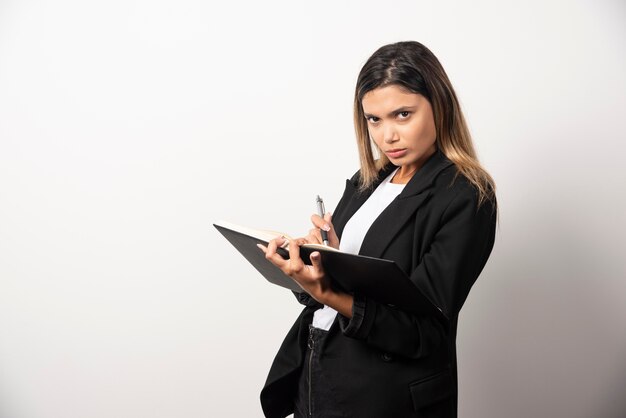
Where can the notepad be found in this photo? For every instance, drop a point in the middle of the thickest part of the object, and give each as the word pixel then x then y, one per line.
pixel 382 280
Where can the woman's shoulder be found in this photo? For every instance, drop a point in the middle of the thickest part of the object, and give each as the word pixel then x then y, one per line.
pixel 451 181
pixel 356 177
pixel 453 186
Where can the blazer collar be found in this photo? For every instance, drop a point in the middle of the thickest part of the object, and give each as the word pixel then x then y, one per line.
pixel 394 217
pixel 424 177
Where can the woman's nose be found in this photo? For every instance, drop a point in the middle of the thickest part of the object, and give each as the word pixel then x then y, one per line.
pixel 390 134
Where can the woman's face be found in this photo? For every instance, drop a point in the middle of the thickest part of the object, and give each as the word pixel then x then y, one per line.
pixel 402 126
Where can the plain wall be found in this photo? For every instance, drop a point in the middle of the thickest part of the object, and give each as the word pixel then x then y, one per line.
pixel 128 127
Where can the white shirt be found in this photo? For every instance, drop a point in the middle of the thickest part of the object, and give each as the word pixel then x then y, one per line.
pixel 354 232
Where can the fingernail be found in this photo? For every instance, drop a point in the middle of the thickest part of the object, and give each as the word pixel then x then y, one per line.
pixel 261 247
pixel 326 227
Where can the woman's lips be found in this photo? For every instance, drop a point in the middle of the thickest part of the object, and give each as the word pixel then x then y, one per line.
pixel 396 153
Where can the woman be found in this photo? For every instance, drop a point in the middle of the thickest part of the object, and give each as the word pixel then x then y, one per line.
pixel 425 203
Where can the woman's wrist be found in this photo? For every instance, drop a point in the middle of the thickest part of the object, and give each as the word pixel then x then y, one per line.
pixel 339 301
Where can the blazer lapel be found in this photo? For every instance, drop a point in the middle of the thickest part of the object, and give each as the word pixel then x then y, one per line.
pixel 400 210
pixel 355 199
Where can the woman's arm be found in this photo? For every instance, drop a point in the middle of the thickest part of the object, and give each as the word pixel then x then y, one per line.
pixel 457 254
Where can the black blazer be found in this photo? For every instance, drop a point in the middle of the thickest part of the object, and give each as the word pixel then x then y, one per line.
pixel 385 362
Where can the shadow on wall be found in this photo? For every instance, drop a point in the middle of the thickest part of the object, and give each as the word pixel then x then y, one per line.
pixel 552 330
pixel 614 404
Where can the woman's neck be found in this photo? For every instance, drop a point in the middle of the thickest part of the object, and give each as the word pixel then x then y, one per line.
pixel 403 177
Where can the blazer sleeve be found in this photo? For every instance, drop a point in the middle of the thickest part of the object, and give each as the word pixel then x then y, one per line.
pixel 306 300
pixel 457 254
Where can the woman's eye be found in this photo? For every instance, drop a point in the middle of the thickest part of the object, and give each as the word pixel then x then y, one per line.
pixel 372 119
pixel 405 114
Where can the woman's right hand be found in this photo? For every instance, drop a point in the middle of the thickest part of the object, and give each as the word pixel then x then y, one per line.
pixel 315 236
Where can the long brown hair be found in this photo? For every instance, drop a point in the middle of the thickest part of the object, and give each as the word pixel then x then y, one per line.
pixel 415 68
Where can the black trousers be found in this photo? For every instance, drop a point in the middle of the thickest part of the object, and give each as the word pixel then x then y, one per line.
pixel 315 398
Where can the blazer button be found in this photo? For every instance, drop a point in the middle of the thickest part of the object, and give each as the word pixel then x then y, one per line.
pixel 386 357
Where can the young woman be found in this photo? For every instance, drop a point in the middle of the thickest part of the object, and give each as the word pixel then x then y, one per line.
pixel 425 203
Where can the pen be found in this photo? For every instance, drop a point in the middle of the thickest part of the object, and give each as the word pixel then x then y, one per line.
pixel 321 211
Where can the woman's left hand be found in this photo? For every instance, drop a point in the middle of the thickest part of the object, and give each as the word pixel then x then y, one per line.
pixel 311 279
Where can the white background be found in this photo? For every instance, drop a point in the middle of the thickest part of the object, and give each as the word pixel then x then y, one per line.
pixel 128 127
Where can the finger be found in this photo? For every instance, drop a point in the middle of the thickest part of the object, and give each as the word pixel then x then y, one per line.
pixel 314 236
pixel 272 255
pixel 333 240
pixel 321 223
pixel 316 261
pixel 284 239
pixel 296 262
pixel 271 247
pixel 327 226
pixel 277 242
pixel 266 251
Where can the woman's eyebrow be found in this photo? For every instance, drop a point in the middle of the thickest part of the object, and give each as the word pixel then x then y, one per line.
pixel 393 112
